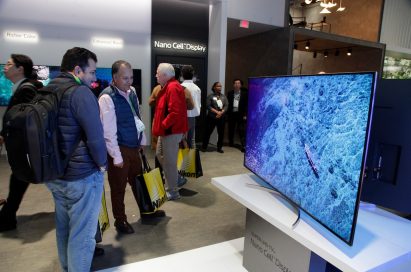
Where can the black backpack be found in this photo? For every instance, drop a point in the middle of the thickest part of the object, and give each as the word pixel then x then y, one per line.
pixel 31 137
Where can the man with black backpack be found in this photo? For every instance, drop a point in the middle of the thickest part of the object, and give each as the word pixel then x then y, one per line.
pixel 77 194
pixel 19 70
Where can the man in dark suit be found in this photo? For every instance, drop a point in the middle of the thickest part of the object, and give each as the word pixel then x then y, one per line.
pixel 19 70
pixel 237 112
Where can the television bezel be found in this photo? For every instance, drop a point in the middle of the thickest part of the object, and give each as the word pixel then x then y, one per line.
pixel 363 159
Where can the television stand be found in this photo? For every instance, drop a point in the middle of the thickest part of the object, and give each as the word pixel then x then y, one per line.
pixel 381 242
pixel 278 194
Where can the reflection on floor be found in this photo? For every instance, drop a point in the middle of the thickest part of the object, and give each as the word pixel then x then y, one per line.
pixel 204 216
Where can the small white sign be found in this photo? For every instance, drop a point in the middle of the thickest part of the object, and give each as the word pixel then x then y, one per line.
pixel 107 42
pixel 30 37
pixel 268 249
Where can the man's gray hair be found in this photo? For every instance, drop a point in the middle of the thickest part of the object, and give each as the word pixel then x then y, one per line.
pixel 167 69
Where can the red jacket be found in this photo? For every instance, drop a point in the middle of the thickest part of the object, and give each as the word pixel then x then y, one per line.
pixel 170 116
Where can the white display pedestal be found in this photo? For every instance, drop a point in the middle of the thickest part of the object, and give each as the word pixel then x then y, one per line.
pixel 382 240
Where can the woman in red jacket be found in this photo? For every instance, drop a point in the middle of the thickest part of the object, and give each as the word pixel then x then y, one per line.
pixel 170 124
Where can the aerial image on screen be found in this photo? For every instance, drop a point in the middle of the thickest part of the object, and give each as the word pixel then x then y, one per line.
pixel 307 138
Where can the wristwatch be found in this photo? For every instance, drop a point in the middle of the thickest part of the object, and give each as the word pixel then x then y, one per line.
pixel 102 169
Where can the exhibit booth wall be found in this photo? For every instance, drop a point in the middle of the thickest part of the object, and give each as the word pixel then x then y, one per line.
pixel 262 54
pixel 180 37
pixel 60 25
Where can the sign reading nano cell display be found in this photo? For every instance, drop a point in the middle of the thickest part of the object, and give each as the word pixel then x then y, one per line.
pixel 186 46
pixel 21 36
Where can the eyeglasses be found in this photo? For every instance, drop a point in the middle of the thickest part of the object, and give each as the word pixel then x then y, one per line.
pixel 9 64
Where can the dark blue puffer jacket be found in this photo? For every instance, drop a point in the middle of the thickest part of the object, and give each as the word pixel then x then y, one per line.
pixel 127 134
pixel 80 129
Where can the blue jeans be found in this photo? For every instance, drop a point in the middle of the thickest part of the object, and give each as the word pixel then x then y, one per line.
pixel 77 208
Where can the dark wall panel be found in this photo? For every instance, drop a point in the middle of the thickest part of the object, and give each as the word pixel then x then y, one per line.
pixel 262 54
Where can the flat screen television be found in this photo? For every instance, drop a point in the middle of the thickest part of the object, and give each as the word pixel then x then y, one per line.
pixel 307 137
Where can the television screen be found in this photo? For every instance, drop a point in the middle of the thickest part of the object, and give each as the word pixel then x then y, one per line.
pixel 5 88
pixel 307 137
pixel 45 73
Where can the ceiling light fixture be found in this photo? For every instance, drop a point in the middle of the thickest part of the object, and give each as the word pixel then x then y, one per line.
pixel 307 45
pixel 308 1
pixel 349 52
pixel 325 11
pixel 341 8
pixel 325 54
pixel 331 4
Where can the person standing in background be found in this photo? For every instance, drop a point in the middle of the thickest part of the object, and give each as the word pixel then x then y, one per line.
pixel 188 74
pixel 19 70
pixel 217 105
pixel 170 124
pixel 152 104
pixel 237 112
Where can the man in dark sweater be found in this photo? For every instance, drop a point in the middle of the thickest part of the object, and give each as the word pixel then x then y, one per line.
pixel 19 70
pixel 77 195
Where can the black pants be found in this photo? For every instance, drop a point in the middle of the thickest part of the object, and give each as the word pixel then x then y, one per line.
pixel 236 122
pixel 211 124
pixel 17 188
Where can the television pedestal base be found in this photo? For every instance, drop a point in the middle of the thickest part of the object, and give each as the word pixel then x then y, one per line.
pixel 381 243
pixel 267 249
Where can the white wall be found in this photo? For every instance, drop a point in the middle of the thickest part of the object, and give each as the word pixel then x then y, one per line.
pixel 395 28
pixel 270 12
pixel 64 24
pixel 217 44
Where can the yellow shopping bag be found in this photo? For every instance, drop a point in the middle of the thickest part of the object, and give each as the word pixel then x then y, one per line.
pixel 103 222
pixel 150 193
pixel 155 188
pixel 189 163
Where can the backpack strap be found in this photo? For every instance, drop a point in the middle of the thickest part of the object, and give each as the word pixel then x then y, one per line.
pixel 29 85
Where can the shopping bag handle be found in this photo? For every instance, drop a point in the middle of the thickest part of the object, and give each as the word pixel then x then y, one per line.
pixel 144 161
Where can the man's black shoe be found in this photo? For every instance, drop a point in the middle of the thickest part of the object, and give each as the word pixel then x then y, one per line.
pixel 98 251
pixel 220 151
pixel 6 226
pixel 158 213
pixel 203 149
pixel 124 227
